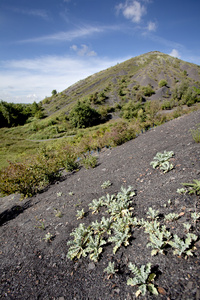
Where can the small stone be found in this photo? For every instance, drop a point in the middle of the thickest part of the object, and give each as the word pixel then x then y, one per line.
pixel 91 266
pixel 189 285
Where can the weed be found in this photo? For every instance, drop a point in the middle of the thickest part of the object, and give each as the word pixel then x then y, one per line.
pixel 143 278
pixel 89 161
pixel 106 184
pixel 196 134
pixel 161 160
pixel 110 270
pixel 120 237
pixel 183 246
pixel 58 213
pixel 95 247
pixel 171 217
pixel 48 237
pixel 78 246
pixel 152 214
pixel 181 191
pixel 193 188
pixel 80 214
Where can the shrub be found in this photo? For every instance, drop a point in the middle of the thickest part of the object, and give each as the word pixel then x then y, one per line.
pixel 83 115
pixel 148 91
pixel 162 83
pixel 196 134
pixel 27 178
pixel 89 161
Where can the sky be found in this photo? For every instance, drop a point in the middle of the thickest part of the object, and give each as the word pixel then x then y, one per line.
pixel 49 45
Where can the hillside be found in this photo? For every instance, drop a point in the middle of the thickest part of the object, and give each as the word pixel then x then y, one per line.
pixel 34 262
pixel 123 82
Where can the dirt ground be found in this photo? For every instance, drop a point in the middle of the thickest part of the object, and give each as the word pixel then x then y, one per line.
pixel 32 268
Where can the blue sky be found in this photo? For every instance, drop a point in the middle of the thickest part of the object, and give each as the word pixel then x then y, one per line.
pixel 51 44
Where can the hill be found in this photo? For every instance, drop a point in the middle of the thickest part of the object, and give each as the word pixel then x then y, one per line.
pixel 126 81
pixel 34 255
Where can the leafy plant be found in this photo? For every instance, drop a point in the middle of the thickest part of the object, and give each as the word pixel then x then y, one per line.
pixel 159 238
pixel 161 160
pixel 106 184
pixel 152 214
pixel 48 237
pixel 78 246
pixel 95 247
pixel 183 246
pixel 196 134
pixel 193 188
pixel 110 270
pixel 58 213
pixel 80 214
pixel 181 191
pixel 121 236
pixel 89 161
pixel 143 278
pixel 171 217
pixel 96 204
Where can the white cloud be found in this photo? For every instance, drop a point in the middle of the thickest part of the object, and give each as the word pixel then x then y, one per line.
pixel 132 10
pixel 83 51
pixel 32 12
pixel 151 26
pixel 66 36
pixel 31 80
pixel 175 53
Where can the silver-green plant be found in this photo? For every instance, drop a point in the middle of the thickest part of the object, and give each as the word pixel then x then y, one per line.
pixel 183 246
pixel 106 184
pixel 80 214
pixel 121 235
pixel 161 160
pixel 181 191
pixel 48 237
pixel 78 246
pixel 143 279
pixel 110 270
pixel 158 240
pixel 171 217
pixel 94 247
pixel 96 204
pixel 152 214
pixel 187 226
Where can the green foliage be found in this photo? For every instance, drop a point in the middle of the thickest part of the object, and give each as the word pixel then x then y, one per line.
pixel 83 115
pixel 12 114
pixel 121 234
pixel 162 83
pixel 183 246
pixel 143 278
pixel 181 191
pixel 89 161
pixel 161 161
pixel 80 214
pixel 196 134
pixel 54 92
pixel 148 91
pixel 159 237
pixel 78 246
pixel 29 177
pixel 48 237
pixel 193 188
pixel 106 184
pixel 94 247
pixel 153 214
pixel 171 217
pixel 110 270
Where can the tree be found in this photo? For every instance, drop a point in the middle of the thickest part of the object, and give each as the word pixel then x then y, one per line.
pixel 83 115
pixel 54 92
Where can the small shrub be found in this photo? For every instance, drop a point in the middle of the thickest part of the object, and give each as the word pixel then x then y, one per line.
pixel 162 83
pixel 161 160
pixel 196 134
pixel 89 161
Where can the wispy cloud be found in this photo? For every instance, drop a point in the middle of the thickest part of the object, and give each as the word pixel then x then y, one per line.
pixel 67 35
pixel 84 50
pixel 151 26
pixel 32 79
pixel 175 53
pixel 41 13
pixel 132 10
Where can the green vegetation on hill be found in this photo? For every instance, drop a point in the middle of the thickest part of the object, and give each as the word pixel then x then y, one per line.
pixel 105 109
